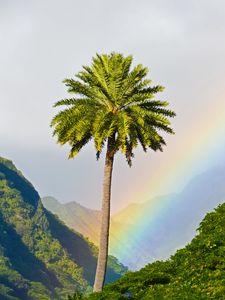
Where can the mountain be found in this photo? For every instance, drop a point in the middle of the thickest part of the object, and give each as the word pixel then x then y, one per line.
pixel 138 235
pixel 40 258
pixel 194 272
pixel 82 219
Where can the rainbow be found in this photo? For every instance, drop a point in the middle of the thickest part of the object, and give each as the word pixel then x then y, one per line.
pixel 204 140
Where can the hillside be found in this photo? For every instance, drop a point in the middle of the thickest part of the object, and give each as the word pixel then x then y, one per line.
pixel 194 272
pixel 40 258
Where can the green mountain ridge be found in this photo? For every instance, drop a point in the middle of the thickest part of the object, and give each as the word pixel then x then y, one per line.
pixel 40 258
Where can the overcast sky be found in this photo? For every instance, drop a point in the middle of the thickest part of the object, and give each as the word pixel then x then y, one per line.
pixel 42 42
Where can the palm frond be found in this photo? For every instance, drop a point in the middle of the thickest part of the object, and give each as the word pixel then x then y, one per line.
pixel 112 100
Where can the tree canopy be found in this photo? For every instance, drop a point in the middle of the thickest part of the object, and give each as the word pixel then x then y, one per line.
pixel 111 99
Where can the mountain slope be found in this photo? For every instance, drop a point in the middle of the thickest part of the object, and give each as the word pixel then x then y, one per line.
pixel 195 272
pixel 40 258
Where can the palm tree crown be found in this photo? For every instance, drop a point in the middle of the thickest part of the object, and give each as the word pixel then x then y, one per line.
pixel 112 100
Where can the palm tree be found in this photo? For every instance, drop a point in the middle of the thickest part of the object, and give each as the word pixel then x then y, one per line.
pixel 114 106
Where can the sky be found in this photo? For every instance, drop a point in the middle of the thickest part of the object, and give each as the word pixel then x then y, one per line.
pixel 42 42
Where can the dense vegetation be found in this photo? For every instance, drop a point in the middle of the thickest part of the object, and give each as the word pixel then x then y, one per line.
pixel 195 272
pixel 40 258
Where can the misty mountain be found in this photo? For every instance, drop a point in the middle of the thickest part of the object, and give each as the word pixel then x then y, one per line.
pixel 175 222
pixel 82 219
pixel 138 236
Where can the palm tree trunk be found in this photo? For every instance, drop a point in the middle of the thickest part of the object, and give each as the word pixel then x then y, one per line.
pixel 104 233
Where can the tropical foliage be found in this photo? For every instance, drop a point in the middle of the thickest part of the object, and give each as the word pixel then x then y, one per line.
pixel 111 99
